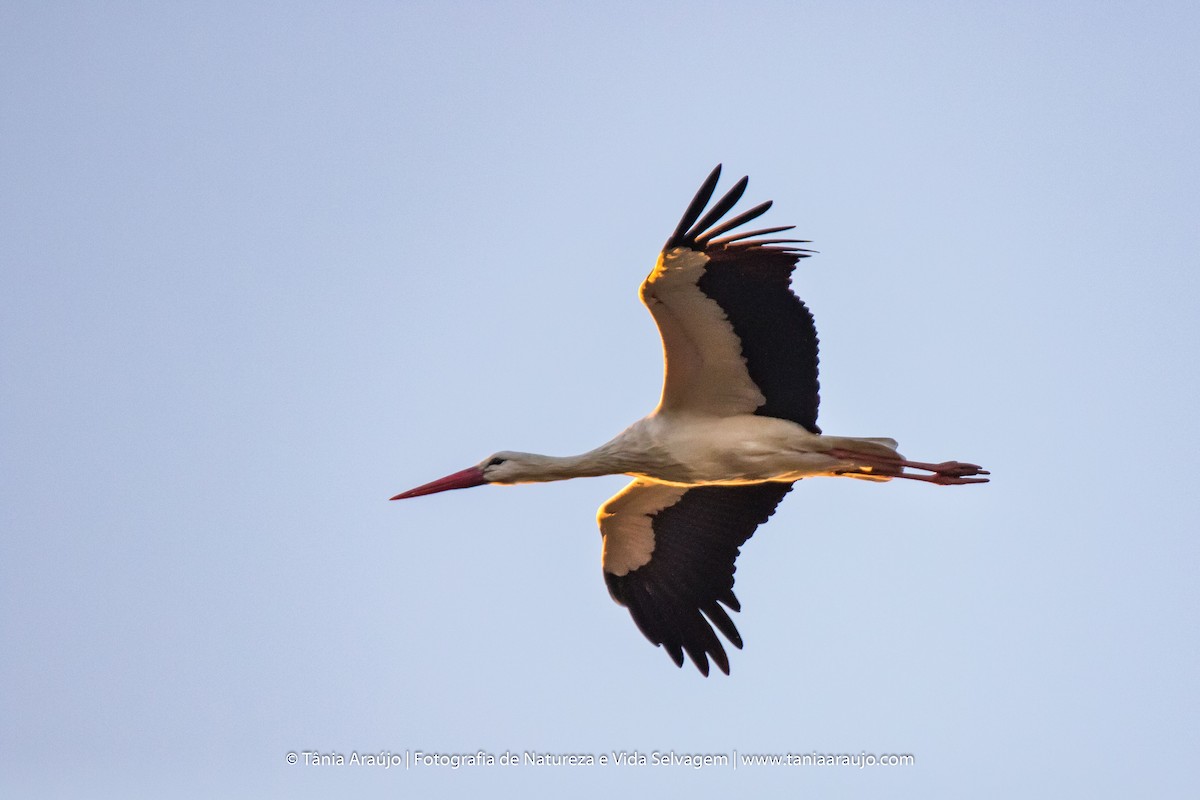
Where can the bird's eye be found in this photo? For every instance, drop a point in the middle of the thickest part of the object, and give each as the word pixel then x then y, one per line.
pixel 495 462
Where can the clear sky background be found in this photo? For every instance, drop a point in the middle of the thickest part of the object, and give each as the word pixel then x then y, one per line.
pixel 265 265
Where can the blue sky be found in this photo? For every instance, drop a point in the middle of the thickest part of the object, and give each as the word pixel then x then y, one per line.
pixel 265 266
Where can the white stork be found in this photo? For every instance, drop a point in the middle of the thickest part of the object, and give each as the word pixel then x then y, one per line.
pixel 736 426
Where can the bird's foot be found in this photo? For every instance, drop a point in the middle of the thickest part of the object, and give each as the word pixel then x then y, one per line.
pixel 949 473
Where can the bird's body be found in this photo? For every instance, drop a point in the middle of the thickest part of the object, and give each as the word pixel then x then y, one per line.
pixel 684 449
pixel 734 429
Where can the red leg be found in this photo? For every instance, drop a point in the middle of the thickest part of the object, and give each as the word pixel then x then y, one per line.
pixel 947 473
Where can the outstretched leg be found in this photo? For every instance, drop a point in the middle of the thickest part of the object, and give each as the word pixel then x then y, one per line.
pixel 947 473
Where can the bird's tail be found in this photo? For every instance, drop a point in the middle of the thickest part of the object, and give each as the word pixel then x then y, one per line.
pixel 867 445
pixel 880 449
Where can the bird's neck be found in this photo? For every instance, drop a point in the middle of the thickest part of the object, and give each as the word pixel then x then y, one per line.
pixel 621 455
pixel 560 468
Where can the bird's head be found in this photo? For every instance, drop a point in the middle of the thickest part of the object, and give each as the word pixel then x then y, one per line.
pixel 503 467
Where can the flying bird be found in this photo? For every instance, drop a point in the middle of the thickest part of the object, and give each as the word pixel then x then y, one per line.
pixel 735 427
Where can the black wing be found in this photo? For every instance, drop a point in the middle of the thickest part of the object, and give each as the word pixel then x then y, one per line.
pixel 669 556
pixel 749 278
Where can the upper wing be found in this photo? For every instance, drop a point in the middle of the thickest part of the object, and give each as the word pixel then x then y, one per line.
pixel 735 338
pixel 669 555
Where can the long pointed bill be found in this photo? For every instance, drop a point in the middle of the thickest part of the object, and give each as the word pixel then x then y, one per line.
pixel 471 476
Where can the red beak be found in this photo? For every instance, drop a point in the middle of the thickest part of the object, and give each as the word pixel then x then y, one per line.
pixel 471 476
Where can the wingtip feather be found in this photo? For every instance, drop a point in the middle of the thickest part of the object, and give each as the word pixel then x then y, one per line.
pixel 696 207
